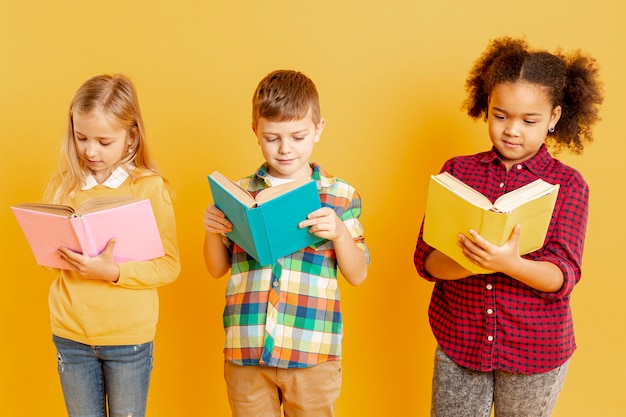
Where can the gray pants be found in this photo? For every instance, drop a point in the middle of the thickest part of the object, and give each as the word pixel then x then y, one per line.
pixel 462 392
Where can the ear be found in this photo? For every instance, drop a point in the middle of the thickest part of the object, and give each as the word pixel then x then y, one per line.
pixel 254 129
pixel 132 136
pixel 556 115
pixel 319 129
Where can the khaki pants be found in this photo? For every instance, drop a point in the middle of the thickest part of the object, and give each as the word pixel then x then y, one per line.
pixel 303 392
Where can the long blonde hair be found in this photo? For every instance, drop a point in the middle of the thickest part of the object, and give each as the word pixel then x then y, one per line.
pixel 116 96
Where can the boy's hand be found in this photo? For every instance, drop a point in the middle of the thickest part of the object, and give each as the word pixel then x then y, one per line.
pixel 325 223
pixel 102 267
pixel 215 220
pixel 503 258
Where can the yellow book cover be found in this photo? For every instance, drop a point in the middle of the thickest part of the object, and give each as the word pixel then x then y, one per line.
pixel 453 207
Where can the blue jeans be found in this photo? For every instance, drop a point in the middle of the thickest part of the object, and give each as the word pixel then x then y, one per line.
pixel 94 378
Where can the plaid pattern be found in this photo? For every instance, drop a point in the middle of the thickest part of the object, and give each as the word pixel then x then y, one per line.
pixel 288 314
pixel 488 322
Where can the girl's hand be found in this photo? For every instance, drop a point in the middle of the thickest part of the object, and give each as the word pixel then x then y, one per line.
pixel 325 223
pixel 215 220
pixel 503 258
pixel 101 267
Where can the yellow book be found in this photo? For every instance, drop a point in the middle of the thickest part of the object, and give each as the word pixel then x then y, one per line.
pixel 453 207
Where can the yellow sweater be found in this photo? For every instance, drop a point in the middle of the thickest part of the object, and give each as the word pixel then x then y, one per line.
pixel 126 312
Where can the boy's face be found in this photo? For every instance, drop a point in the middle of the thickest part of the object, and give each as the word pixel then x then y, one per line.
pixel 287 146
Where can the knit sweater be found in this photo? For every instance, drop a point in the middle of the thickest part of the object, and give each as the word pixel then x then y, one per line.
pixel 126 312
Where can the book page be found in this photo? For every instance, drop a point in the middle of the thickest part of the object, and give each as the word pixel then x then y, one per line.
pixel 235 189
pixel 463 190
pixel 275 191
pixel 529 192
pixel 94 204
pixel 88 206
pixel 56 209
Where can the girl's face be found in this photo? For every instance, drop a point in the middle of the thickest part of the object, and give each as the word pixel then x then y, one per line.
pixel 287 146
pixel 100 143
pixel 519 116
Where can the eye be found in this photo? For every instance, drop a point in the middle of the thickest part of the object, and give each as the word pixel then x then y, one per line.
pixel 80 138
pixel 299 137
pixel 271 139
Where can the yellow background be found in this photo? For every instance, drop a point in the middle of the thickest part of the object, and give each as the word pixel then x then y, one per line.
pixel 391 78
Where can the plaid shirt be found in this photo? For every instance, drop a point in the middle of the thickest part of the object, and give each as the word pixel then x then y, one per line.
pixel 488 322
pixel 288 315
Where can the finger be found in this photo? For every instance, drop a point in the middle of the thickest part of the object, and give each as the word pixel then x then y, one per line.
pixel 68 256
pixel 212 209
pixel 320 212
pixel 109 247
pixel 516 233
pixel 310 222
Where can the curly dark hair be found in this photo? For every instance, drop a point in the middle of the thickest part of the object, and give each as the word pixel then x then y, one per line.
pixel 571 81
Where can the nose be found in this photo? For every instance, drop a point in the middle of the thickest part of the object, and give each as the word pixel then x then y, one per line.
pixel 90 149
pixel 512 128
pixel 284 147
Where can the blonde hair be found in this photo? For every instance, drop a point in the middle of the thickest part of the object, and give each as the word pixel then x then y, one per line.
pixel 285 95
pixel 116 96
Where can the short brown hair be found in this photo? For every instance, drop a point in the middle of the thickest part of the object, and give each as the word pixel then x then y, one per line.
pixel 285 95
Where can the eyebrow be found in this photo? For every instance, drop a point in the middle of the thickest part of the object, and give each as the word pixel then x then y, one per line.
pixel 525 114
pixel 267 132
pixel 97 137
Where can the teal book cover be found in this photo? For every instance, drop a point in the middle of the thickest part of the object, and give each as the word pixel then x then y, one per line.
pixel 267 227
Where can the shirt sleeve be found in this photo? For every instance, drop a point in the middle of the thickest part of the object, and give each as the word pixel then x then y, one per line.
pixel 566 235
pixel 422 249
pixel 163 270
pixel 350 217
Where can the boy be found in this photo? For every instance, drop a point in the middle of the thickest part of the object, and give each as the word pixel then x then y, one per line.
pixel 282 322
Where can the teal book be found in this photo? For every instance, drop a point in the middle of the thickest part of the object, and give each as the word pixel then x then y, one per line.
pixel 266 227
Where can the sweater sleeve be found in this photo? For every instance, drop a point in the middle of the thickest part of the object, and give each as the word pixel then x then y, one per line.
pixel 163 270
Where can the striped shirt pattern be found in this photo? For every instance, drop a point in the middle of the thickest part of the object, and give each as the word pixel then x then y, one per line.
pixel 288 314
pixel 492 321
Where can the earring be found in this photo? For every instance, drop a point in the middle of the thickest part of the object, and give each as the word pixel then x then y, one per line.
pixel 551 130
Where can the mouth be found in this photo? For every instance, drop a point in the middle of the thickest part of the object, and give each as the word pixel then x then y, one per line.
pixel 510 145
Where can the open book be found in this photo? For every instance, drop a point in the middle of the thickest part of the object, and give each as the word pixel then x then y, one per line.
pixel 266 227
pixel 453 207
pixel 88 228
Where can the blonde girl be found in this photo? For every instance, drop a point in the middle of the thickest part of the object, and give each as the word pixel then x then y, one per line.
pixel 104 314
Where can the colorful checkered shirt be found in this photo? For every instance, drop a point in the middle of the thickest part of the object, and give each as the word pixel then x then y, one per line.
pixel 288 314
pixel 489 322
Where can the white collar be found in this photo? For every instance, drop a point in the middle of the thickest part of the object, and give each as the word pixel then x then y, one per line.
pixel 274 181
pixel 117 177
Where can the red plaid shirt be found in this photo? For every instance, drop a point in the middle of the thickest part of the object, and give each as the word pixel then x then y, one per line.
pixel 488 322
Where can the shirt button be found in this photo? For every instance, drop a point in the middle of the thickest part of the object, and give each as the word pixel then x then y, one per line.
pixel 489 311
pixel 490 338
pixel 501 185
pixel 519 167
pixel 275 284
pixel 489 287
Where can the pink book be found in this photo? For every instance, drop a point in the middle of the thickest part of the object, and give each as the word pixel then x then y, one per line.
pixel 89 228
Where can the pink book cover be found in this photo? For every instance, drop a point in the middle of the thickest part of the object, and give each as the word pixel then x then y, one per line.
pixel 132 225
